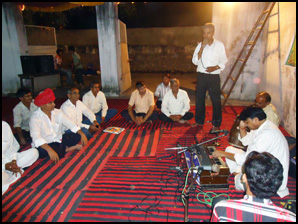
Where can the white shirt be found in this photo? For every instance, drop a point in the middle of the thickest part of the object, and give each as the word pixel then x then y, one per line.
pixel 268 138
pixel 45 131
pixel 75 112
pixel 95 104
pixel 172 106
pixel 142 103
pixel 21 115
pixel 212 55
pixel 272 114
pixel 161 90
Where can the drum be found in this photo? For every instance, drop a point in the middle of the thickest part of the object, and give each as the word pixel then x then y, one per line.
pixel 234 133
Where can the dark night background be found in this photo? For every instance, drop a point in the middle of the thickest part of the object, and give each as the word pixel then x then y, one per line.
pixel 137 15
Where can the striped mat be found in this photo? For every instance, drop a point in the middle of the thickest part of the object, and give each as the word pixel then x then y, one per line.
pixel 145 189
pixel 114 177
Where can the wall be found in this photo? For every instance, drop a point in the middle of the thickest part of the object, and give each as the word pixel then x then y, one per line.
pixel 265 69
pixel 150 49
pixel 13 45
pixel 280 79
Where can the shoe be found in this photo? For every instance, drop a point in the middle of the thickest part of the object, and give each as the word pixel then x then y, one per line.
pixel 214 130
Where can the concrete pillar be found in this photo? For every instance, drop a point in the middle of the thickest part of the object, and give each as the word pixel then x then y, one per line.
pixel 109 52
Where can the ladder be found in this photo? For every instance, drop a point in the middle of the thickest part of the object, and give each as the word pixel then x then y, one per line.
pixel 246 50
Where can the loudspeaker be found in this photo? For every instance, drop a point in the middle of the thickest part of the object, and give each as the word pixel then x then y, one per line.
pixel 29 64
pixel 37 64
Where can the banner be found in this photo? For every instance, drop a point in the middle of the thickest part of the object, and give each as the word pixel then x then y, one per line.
pixel 291 60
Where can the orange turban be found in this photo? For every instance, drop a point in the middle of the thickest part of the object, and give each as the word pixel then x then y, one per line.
pixel 44 97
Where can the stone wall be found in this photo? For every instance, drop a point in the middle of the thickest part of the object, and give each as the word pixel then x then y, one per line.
pixel 150 49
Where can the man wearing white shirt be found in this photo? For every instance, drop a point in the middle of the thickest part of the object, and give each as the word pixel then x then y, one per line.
pixel 12 160
pixel 21 116
pixel 162 89
pixel 74 109
pixel 143 100
pixel 263 137
pixel 175 105
pixel 96 101
pixel 210 58
pixel 46 129
pixel 263 100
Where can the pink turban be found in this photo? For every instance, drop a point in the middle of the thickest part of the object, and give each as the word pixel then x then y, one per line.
pixel 44 97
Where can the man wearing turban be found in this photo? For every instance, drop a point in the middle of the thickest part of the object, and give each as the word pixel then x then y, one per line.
pixel 46 129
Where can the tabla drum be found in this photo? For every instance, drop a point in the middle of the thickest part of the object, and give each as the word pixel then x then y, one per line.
pixel 234 133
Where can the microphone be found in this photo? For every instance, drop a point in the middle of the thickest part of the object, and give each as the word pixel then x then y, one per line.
pixel 215 168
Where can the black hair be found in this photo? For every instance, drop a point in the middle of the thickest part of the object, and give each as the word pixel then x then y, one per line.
pixel 93 83
pixel 252 112
pixel 70 89
pixel 71 48
pixel 59 50
pixel 140 84
pixel 166 75
pixel 264 174
pixel 22 92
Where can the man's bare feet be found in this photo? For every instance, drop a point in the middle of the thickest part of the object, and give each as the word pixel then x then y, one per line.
pixel 72 148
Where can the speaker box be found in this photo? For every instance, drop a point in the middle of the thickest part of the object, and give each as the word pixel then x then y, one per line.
pixel 37 64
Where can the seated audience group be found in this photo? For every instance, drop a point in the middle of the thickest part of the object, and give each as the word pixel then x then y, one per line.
pixel 261 170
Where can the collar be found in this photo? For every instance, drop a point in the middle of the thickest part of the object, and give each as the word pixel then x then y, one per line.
pixel 258 200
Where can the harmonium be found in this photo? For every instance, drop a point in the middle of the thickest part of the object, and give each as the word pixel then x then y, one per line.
pixel 215 172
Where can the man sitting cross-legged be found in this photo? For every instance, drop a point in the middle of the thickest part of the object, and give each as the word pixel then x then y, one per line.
pixel 175 105
pixel 74 109
pixel 46 129
pixel 143 100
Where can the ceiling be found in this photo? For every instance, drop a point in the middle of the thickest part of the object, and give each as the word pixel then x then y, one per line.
pixel 56 6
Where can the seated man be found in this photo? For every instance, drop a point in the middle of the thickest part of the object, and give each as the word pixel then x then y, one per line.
pixel 263 137
pixel 262 177
pixel 95 101
pixel 12 161
pixel 263 100
pixel 142 99
pixel 21 116
pixel 46 128
pixel 74 109
pixel 161 90
pixel 59 69
pixel 175 105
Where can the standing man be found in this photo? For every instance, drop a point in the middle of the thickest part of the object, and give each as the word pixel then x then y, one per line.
pixel 59 69
pixel 175 106
pixel 210 57
pixel 78 66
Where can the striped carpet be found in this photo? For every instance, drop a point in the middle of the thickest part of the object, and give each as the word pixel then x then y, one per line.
pixel 123 177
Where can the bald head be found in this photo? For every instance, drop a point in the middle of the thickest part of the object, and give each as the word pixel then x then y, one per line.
pixel 263 99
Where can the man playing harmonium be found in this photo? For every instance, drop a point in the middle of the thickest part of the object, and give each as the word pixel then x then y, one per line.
pixel 263 137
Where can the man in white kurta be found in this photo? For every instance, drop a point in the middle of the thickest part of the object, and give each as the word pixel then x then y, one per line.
pixel 74 109
pixel 96 101
pixel 162 89
pixel 21 116
pixel 12 160
pixel 176 105
pixel 263 137
pixel 47 127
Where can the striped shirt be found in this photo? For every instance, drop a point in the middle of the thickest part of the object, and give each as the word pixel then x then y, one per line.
pixel 250 209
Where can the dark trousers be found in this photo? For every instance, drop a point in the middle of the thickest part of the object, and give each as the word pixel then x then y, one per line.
pixel 79 75
pixel 212 84
pixel 158 104
pixel 125 114
pixel 187 116
pixel 69 139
